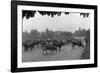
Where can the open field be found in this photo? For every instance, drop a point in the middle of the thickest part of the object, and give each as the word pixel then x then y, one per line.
pixel 66 53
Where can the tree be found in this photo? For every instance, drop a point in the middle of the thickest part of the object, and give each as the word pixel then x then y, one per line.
pixel 28 13
pixel 34 34
pixel 43 36
pixel 25 35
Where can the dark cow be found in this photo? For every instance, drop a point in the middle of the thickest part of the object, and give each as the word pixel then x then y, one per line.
pixel 58 44
pixel 47 45
pixel 30 44
pixel 51 45
pixel 76 42
pixel 50 48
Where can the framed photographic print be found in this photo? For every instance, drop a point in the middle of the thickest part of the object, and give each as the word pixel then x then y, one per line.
pixel 52 36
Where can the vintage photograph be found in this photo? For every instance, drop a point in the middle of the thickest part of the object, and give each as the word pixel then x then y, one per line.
pixel 55 35
pixel 52 36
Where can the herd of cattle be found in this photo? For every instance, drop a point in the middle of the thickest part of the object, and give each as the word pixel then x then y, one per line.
pixel 52 45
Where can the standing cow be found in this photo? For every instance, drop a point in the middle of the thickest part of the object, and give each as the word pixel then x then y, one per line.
pixel 76 42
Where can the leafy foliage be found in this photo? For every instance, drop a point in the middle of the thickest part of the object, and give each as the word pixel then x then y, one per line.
pixel 31 13
pixel 28 13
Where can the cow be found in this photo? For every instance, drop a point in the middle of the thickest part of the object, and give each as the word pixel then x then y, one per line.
pixel 76 42
pixel 47 45
pixel 50 48
pixel 58 44
pixel 51 45
pixel 30 44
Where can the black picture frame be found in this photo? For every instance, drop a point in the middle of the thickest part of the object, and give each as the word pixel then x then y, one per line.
pixel 14 28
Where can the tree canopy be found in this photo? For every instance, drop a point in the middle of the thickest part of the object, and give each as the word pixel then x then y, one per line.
pixel 31 13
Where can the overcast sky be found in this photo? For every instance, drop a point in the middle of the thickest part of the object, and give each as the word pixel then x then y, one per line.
pixel 63 22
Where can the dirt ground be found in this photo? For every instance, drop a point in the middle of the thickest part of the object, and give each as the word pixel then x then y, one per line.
pixel 66 53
